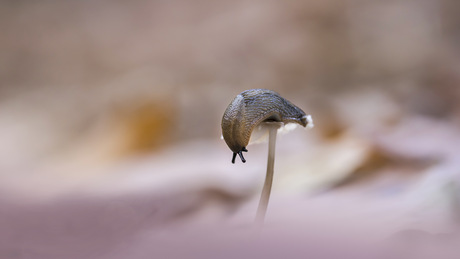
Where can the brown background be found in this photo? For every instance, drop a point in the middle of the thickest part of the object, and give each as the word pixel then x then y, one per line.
pixel 110 126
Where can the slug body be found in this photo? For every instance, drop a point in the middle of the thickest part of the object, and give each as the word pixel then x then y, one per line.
pixel 249 109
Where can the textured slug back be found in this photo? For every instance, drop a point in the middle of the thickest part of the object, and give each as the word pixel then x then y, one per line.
pixel 231 123
pixel 252 107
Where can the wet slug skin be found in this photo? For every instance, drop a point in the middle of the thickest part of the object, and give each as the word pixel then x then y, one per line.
pixel 252 107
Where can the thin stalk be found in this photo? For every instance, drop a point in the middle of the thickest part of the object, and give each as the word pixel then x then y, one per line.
pixel 263 203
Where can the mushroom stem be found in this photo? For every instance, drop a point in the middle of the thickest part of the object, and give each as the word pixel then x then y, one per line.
pixel 265 196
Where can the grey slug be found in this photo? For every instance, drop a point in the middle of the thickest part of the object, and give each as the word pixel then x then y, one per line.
pixel 249 109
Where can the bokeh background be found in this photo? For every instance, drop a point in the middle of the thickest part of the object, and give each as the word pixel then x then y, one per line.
pixel 110 127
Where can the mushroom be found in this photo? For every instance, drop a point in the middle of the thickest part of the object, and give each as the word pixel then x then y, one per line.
pixel 253 108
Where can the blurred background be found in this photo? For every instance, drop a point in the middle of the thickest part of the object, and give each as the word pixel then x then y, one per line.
pixel 110 118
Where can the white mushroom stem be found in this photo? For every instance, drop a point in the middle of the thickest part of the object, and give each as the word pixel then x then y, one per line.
pixel 263 203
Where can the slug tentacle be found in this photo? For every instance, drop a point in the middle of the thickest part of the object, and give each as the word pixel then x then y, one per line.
pixel 249 109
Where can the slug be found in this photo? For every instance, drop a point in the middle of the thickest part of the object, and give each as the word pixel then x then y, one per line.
pixel 249 109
